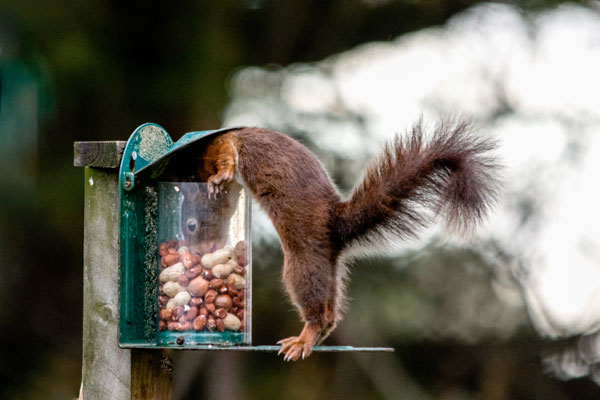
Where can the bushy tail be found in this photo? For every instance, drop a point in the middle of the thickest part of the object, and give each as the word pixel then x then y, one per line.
pixel 450 174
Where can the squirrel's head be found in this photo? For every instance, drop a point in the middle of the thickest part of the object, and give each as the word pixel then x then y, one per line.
pixel 204 221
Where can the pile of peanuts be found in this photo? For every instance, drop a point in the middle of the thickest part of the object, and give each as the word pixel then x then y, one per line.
pixel 202 293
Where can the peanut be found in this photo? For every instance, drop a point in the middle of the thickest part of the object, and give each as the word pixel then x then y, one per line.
pixel 201 293
pixel 172 288
pixel 182 298
pixel 218 257
pixel 172 273
pixel 237 281
pixel 223 270
pixel 232 322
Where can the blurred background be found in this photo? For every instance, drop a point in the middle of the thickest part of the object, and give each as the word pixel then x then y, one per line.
pixel 513 313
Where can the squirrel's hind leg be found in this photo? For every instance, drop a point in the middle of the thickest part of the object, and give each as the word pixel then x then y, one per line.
pixel 314 331
pixel 330 321
pixel 300 346
pixel 310 280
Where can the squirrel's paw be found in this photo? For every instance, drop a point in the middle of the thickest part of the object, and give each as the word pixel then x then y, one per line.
pixel 214 190
pixel 293 348
pixel 216 184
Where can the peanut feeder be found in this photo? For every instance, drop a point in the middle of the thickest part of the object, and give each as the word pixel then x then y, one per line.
pixel 185 263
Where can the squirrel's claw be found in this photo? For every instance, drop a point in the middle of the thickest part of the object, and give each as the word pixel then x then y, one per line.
pixel 214 190
pixel 217 182
pixel 294 348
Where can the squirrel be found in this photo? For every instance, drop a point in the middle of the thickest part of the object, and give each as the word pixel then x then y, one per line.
pixel 204 219
pixel 451 174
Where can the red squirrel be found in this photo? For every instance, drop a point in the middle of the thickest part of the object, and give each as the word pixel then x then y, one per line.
pixel 451 174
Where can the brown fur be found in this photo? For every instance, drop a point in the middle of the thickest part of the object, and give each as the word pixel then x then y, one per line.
pixel 451 175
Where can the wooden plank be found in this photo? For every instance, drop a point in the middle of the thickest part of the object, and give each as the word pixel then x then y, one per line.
pixel 151 375
pixel 101 154
pixel 106 367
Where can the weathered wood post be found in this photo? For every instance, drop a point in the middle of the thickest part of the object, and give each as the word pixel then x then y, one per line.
pixel 108 371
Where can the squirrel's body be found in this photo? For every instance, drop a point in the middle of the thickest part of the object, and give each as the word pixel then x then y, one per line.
pixel 450 174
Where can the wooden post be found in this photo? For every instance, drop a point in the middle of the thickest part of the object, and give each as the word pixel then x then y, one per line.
pixel 109 372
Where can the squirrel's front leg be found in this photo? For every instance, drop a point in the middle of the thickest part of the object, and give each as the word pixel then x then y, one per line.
pixel 222 154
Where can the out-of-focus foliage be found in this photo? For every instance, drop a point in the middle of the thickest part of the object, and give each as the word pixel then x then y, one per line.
pixel 94 70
